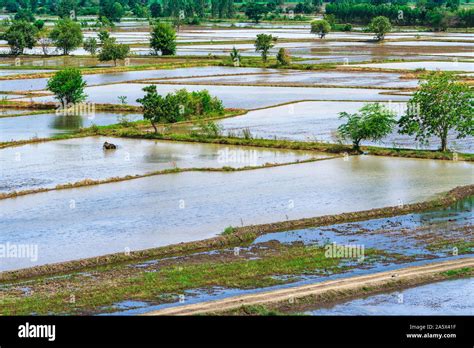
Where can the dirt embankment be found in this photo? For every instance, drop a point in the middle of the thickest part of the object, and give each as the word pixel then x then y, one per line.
pixel 312 293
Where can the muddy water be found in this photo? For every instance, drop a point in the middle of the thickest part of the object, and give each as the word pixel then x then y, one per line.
pixel 48 125
pixel 453 65
pixel 452 297
pixel 316 78
pixel 10 72
pixel 247 97
pixel 318 121
pixel 167 209
pixel 98 79
pixel 64 161
pixel 411 234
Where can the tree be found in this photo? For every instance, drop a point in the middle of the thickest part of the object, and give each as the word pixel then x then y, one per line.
pixel 156 10
pixel 177 106
pixel 320 27
pixel 103 36
pixel 235 56
pixel 66 35
pixel 441 104
pixel 283 57
pixel 163 39
pixel 24 14
pixel 66 9
pixel 380 26
pixel 91 45
pixel 156 109
pixel 67 86
pixel 111 50
pixel 111 9
pixel 372 122
pixel 255 11
pixel 264 43
pixel 44 41
pixel 20 35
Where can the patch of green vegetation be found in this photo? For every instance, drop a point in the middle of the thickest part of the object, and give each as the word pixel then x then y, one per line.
pixel 455 273
pixel 462 247
pixel 228 230
pixel 174 279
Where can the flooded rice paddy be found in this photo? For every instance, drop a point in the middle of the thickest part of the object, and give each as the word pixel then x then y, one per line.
pixel 67 161
pixel 247 97
pixel 52 124
pixel 452 65
pixel 173 208
pixel 318 121
pixel 100 79
pixel 362 79
pixel 451 297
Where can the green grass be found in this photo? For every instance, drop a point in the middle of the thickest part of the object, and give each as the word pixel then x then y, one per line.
pixel 175 279
pixel 463 247
pixel 455 273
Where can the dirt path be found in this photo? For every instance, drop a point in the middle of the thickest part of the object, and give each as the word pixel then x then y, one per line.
pixel 419 273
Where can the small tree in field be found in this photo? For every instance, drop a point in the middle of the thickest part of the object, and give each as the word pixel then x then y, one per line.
pixel 320 27
pixel 372 122
pixel 163 39
pixel 67 86
pixel 441 104
pixel 235 56
pixel 66 35
pixel 283 57
pixel 152 104
pixel 90 45
pixel 20 35
pixel 263 44
pixel 111 50
pixel 380 26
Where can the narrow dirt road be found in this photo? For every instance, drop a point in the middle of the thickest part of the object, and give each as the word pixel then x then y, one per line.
pixel 421 273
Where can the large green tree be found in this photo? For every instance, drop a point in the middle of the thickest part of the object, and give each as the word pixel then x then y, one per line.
pixel 320 27
pixel 20 35
pixel 380 26
pixel 255 11
pixel 372 122
pixel 163 39
pixel 263 44
pixel 111 9
pixel 67 86
pixel 441 104
pixel 111 50
pixel 66 35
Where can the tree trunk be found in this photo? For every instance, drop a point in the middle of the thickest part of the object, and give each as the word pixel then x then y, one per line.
pixel 444 143
pixel 153 124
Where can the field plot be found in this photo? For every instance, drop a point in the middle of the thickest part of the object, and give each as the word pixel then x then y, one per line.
pixel 141 213
pixel 51 124
pixel 73 160
pixel 248 97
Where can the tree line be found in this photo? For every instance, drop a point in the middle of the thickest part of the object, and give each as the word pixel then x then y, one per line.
pixel 438 15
